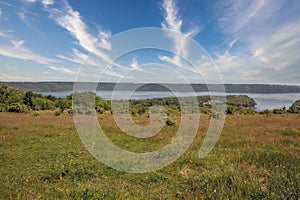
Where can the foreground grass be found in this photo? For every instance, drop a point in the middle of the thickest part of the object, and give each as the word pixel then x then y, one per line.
pixel 256 157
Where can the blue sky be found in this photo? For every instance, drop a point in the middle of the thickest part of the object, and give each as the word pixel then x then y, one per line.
pixel 251 41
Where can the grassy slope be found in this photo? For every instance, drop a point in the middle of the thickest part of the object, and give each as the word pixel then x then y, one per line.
pixel 257 156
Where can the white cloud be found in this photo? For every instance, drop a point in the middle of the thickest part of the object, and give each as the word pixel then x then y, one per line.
pixel 17 43
pixel 135 64
pixel 70 19
pixel 81 58
pixel 113 73
pixel 47 2
pixel 21 15
pixel 103 36
pixel 227 61
pixel 8 77
pixel 231 66
pixel 30 1
pixel 254 73
pixel 71 59
pixel 268 32
pixel 44 2
pixel 76 57
pixel 72 22
pixel 235 15
pixel 280 49
pixel 28 18
pixel 20 52
pixel 173 21
pixel 176 60
pixel 232 43
pixel 62 69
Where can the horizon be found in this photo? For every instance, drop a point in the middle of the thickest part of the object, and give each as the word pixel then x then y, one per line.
pixel 251 42
pixel 67 81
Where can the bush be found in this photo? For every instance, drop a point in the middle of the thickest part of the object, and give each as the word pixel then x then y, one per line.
pixel 35 113
pixel 63 104
pixel 278 111
pixel 205 110
pixel 171 122
pixel 27 100
pixel 231 110
pixel 10 95
pixel 240 101
pixel 70 112
pixel 250 111
pixel 42 104
pixel 17 108
pixel 295 108
pixel 100 110
pixel 265 112
pixel 57 112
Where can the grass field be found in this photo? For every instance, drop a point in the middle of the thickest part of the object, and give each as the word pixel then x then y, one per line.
pixel 256 157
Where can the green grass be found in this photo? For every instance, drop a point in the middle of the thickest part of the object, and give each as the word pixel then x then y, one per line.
pixel 256 157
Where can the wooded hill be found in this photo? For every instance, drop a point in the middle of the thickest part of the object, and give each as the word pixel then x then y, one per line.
pixel 230 88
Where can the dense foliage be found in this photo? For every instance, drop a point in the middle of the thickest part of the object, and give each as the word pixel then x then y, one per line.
pixel 15 100
pixel 295 108
pixel 240 101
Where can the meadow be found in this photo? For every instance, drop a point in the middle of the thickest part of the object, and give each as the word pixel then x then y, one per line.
pixel 256 157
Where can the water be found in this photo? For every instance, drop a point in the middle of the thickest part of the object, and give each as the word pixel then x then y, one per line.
pixel 264 101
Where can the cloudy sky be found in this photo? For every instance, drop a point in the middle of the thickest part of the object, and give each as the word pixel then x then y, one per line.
pixel 250 41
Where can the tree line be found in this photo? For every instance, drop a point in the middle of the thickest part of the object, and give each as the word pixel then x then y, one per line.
pixel 18 101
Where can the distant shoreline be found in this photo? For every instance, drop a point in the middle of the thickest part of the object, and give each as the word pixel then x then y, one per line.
pixel 229 88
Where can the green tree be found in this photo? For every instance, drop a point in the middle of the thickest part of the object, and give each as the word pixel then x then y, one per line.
pixel 295 108
pixel 28 99
pixel 62 104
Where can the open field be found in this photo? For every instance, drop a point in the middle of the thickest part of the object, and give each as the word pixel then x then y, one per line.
pixel 256 157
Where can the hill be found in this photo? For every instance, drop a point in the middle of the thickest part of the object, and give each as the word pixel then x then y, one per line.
pixel 230 88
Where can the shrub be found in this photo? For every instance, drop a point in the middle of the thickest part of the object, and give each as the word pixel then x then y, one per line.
pixel 265 112
pixel 10 95
pixel 250 111
pixel 17 108
pixel 230 110
pixel 70 111
pixel 27 100
pixel 278 111
pixel 171 122
pixel 63 104
pixel 35 113
pixel 295 108
pixel 205 110
pixel 42 104
pixel 240 100
pixel 57 112
pixel 100 109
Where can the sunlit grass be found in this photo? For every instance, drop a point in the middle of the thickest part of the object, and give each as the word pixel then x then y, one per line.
pixel 257 156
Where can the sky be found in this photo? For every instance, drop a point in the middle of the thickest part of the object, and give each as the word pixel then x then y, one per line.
pixel 250 41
